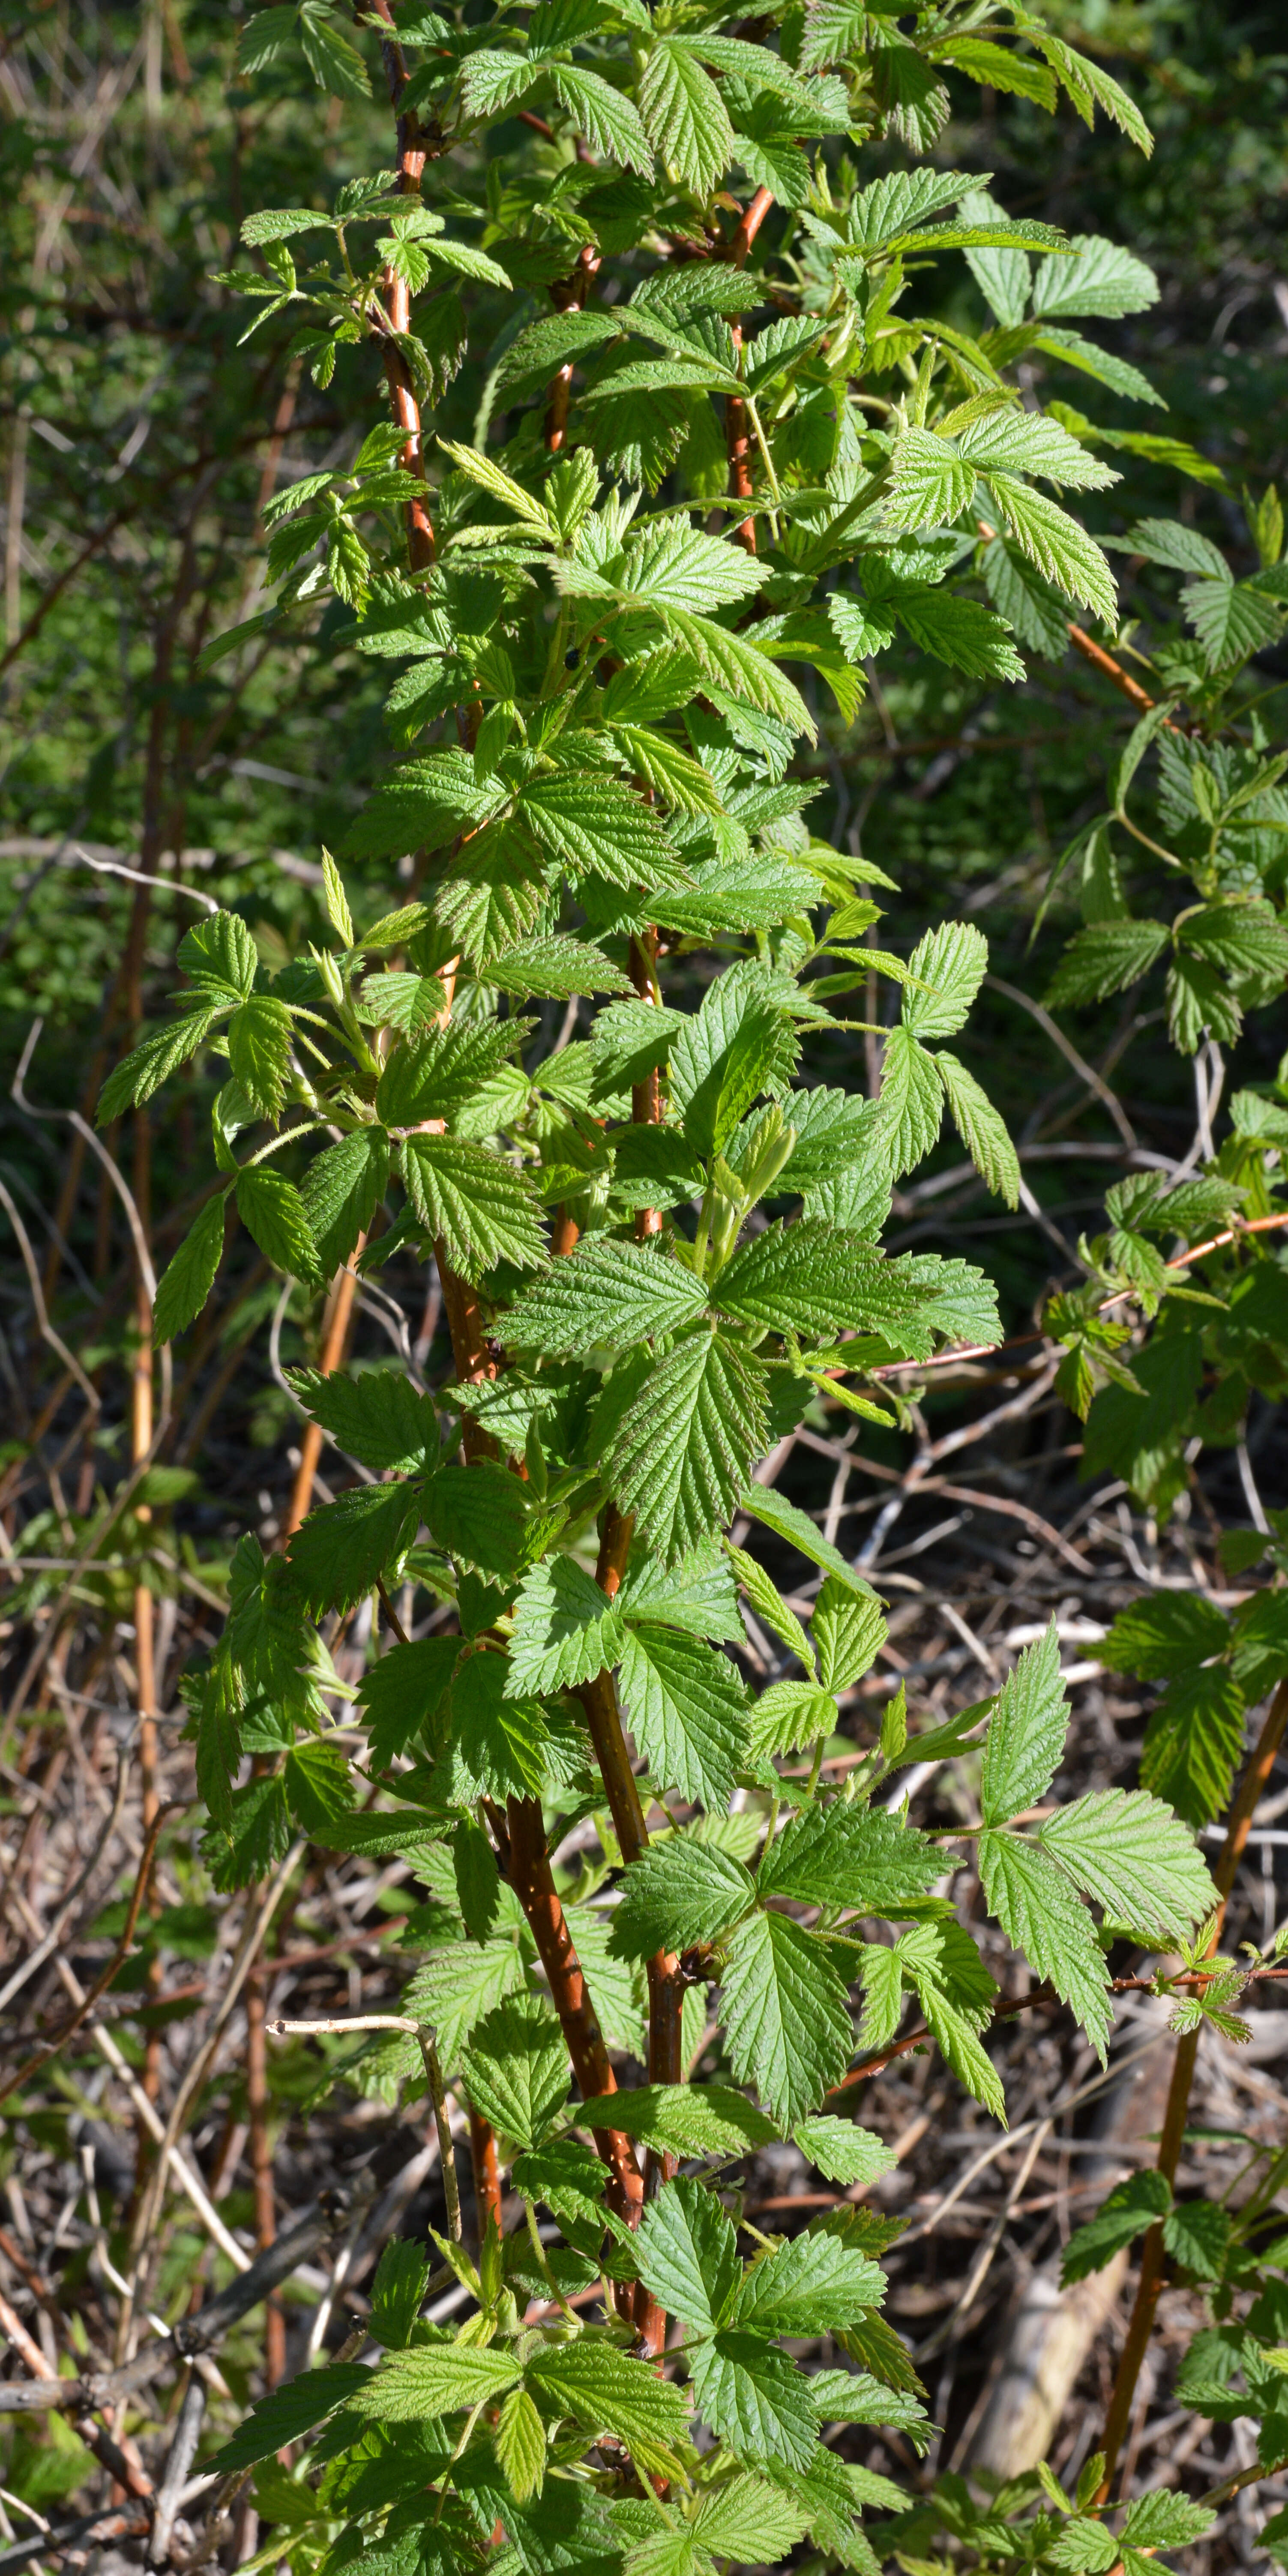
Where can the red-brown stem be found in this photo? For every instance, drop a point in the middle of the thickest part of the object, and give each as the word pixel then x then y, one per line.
pixel 567 294
pixel 397 300
pixel 1122 680
pixel 738 449
pixel 750 225
pixel 529 1870
pixel 665 1991
pixel 471 1351
pixel 1140 2328
pixel 261 2165
pixel 1095 653
pixel 487 2179
pixel 737 439
pixel 565 1233
pixel 336 1321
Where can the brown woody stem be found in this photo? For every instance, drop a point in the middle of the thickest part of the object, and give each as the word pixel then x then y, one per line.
pixel 529 1872
pixel 487 2179
pixel 568 294
pixel 665 1989
pixel 397 300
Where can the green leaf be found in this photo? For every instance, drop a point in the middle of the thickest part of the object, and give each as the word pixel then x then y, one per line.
pixel 1036 612
pixel 1193 1741
pixel 403 1693
pixel 274 1213
pixel 678 1455
pixel 852 1856
pixel 337 901
pixel 597 827
pixel 677 1894
pixel 319 1784
pixel 1103 279
pixel 265 38
pixel 755 2400
pixel 292 2411
pixel 336 65
pixel 342 1550
pixel 259 1052
pixel 997 68
pixel 1041 1916
pixel 479 1207
pixel 455 1990
pixel 519 2439
pixel 788 1522
pixel 688 1713
pixel 515 2069
pixel 717 1071
pixel 932 484
pixel 768 1603
pixel 142 1073
pixel 1135 1858
pixel 1029 442
pixel 1105 958
pixel 1090 86
pixel 1069 349
pixel 497 1743
pixel 398 2292
pixel 685 117
pixel 787 2022
pixel 1231 620
pixel 810 1278
pixel 732 662
pixel 553 968
pixel 186 1283
pixel 379 1417
pixel 981 1129
pixel 915 102
pixel 1196 2233
pixel 956 1994
pixel 477 1876
pixel 493 479
pixel 959 632
pixel 1026 1732
pixel 219 955
pixel 1166 2521
pixel 341 1190
pixel 1061 550
pixel 912 1102
pixel 744 2519
pixel 1002 276
pixel 432 2380
pixel 604 1293
pixel 841 2152
pixel 952 962
pixel 818 2279
pixel 687 2252
pixel 606 2390
pixel 1131 2207
pixel 681 567
pixel 790 1714
pixel 435 1074
pixel 480 1516
pixel 565 1630
pixel 685 2119
pixel 698 1596
pixel 617 1988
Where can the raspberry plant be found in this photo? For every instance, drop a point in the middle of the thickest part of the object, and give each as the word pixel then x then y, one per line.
pixel 717 463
